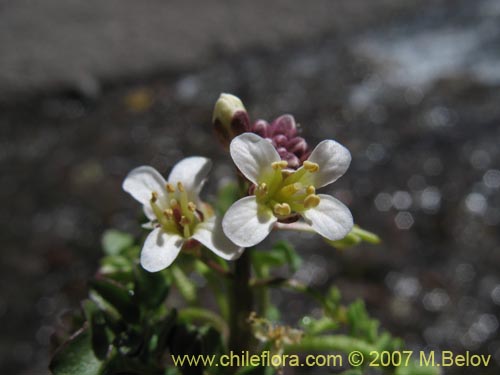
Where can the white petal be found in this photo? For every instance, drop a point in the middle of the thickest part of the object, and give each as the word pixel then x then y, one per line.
pixel 253 155
pixel 210 234
pixel 148 211
pixel 247 223
pixel 142 181
pixel 333 160
pixel 160 250
pixel 331 218
pixel 192 172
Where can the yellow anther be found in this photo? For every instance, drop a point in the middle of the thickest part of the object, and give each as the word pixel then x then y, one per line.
pixel 169 213
pixel 310 190
pixel 279 164
pixel 173 203
pixel 282 209
pixel 170 188
pixel 184 221
pixel 154 196
pixel 180 186
pixel 192 207
pixel 310 166
pixel 311 201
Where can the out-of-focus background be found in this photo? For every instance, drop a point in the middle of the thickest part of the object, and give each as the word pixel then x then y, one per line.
pixel 92 88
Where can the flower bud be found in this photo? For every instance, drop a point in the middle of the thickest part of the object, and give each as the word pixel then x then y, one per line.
pixel 230 118
pixel 285 125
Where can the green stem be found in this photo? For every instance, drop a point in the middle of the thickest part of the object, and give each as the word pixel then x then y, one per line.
pixel 241 305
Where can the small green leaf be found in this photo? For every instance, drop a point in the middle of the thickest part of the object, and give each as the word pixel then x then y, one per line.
pixel 164 329
pixel 151 288
pixel 293 259
pixel 114 241
pixel 117 296
pixel 316 326
pixel 186 287
pixel 97 329
pixel 76 357
pixel 227 195
pixel 282 253
pixel 414 368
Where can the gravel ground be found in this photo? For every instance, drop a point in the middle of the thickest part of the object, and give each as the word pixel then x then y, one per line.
pixel 412 92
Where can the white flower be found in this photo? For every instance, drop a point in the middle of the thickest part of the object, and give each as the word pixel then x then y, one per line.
pixel 281 193
pixel 176 212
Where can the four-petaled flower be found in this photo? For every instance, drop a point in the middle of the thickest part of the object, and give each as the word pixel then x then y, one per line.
pixel 280 194
pixel 176 213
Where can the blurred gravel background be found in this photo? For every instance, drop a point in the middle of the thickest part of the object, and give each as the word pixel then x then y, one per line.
pixel 91 89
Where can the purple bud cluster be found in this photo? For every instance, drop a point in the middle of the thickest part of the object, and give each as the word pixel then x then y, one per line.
pixel 283 134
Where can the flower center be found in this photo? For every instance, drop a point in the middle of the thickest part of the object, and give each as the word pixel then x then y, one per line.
pixel 288 192
pixel 175 212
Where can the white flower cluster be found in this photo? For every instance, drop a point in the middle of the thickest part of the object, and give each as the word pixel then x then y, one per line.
pixel 178 217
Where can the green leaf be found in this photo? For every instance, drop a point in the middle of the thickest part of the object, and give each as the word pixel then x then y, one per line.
pixel 256 370
pixel 114 241
pixel 117 296
pixel 227 195
pixel 187 340
pixel 356 371
pixel 76 357
pixel 292 258
pixel 97 329
pixel 163 330
pixel 195 314
pixel 282 253
pixel 316 326
pixel 414 368
pixel 360 323
pixel 341 343
pixel 151 288
pixel 212 340
pixel 186 287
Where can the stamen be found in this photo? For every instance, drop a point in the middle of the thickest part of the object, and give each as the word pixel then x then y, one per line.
pixel 290 190
pixel 261 189
pixel 310 190
pixel 184 221
pixel 154 197
pixel 173 203
pixel 191 206
pixel 279 164
pixel 311 201
pixel 170 188
pixel 169 213
pixel 310 166
pixel 282 209
pixel 180 186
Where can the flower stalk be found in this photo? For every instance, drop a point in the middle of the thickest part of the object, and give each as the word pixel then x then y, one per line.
pixel 242 304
